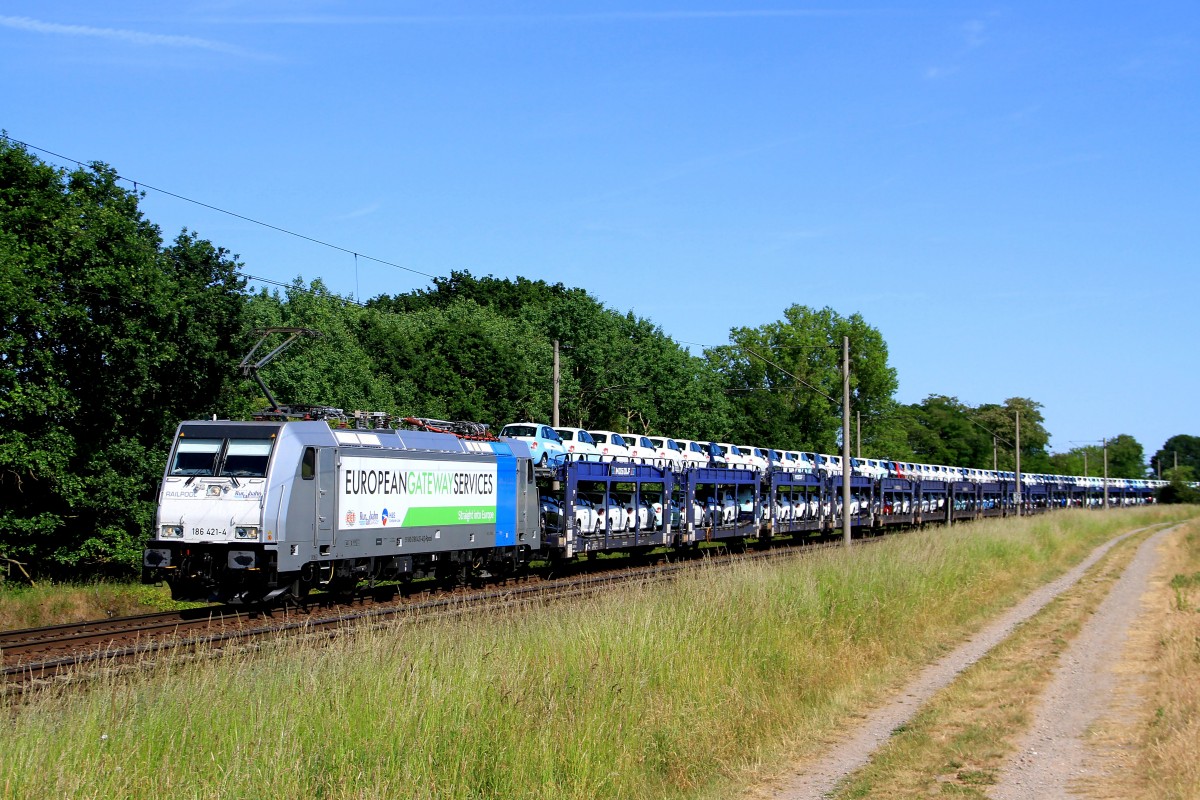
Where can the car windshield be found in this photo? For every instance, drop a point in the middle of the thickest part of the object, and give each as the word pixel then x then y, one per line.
pixel 519 430
pixel 600 437
pixel 566 435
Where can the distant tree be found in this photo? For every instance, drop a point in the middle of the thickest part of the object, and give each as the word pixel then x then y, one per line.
pixel 944 430
pixel 1001 419
pixel 1179 488
pixel 1184 448
pixel 1125 459
pixel 784 380
pixel 493 340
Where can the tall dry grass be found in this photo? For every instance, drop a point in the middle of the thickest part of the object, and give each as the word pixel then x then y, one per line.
pixel 1172 740
pixel 673 690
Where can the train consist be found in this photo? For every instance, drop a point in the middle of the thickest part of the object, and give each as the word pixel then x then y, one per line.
pixel 270 509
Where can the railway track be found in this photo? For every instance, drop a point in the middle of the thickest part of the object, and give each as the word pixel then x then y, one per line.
pixel 63 654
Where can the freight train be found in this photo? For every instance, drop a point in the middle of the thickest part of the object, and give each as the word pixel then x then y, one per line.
pixel 298 500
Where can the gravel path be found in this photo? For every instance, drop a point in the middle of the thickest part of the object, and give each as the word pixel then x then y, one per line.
pixel 1051 754
pixel 819 779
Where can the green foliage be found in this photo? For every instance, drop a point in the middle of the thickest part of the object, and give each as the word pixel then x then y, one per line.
pixel 1182 449
pixel 944 430
pixel 784 380
pixel 108 340
pixel 1180 488
pixel 1126 459
pixel 482 348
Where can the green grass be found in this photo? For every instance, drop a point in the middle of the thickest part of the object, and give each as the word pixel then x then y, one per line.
pixel 24 606
pixel 677 690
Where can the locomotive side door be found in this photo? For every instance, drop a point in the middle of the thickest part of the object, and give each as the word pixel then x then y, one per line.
pixel 325 504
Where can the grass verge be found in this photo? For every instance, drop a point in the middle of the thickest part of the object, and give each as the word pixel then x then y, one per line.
pixel 1169 739
pixel 676 690
pixel 23 606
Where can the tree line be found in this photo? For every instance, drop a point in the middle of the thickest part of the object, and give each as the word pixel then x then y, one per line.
pixel 110 335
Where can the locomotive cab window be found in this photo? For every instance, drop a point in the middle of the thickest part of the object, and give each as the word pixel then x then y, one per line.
pixel 196 457
pixel 308 465
pixel 247 458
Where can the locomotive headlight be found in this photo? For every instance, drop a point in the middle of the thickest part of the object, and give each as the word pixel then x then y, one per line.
pixel 245 532
pixel 171 532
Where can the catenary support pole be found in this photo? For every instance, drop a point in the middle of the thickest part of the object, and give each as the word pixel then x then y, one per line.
pixel 847 470
pixel 1018 459
pixel 858 434
pixel 1105 474
pixel 1087 500
pixel 555 421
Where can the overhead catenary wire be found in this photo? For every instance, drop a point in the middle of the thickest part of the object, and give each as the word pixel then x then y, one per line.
pixel 143 185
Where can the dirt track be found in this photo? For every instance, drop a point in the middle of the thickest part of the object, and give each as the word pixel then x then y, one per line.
pixel 1054 752
pixel 1031 775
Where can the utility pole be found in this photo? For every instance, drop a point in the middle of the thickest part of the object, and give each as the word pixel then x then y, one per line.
pixel 1105 474
pixel 847 471
pixel 555 413
pixel 1086 498
pixel 1018 459
pixel 995 456
pixel 858 433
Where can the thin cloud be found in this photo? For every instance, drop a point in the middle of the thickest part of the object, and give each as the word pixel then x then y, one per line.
pixel 360 212
pixel 140 38
pixel 974 33
pixel 613 16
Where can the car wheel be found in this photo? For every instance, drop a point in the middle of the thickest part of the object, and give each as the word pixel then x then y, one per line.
pixel 545 458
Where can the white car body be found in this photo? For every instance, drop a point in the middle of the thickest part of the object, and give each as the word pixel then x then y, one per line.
pixel 579 444
pixel 734 459
pixel 729 509
pixel 637 516
pixel 611 446
pixel 805 462
pixel 694 453
pixel 641 449
pixel 585 515
pixel 754 458
pixel 783 509
pixel 667 452
pixel 611 516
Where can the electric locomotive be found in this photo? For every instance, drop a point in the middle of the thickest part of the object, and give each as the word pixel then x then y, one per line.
pixel 263 510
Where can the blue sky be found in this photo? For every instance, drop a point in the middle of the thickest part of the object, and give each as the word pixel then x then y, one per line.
pixel 1008 192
